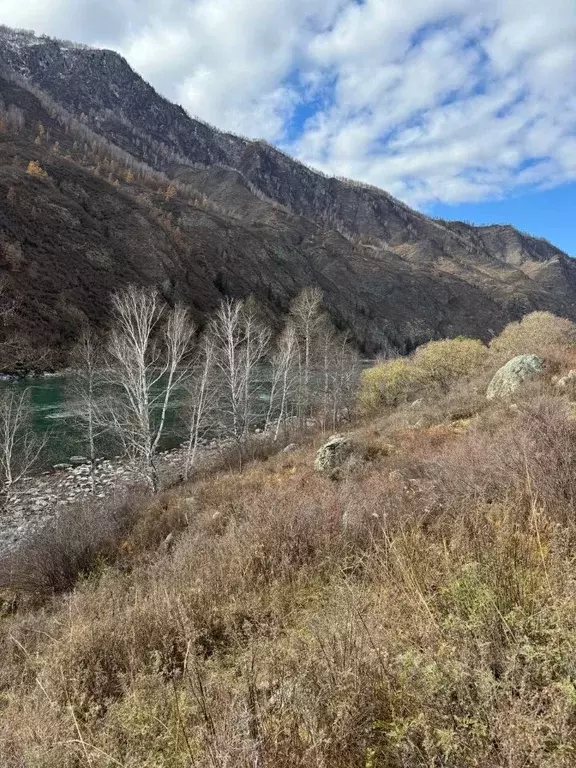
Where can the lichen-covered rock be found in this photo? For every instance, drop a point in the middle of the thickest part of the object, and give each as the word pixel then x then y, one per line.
pixel 507 379
pixel 334 455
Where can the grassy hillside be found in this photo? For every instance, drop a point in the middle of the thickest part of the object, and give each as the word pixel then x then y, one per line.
pixel 419 610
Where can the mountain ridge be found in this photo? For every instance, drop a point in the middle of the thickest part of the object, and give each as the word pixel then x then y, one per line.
pixel 467 279
pixel 235 151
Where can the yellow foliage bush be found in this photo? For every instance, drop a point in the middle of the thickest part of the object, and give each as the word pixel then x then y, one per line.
pixel 434 365
pixel 170 192
pixel 387 383
pixel 534 334
pixel 35 169
pixel 441 362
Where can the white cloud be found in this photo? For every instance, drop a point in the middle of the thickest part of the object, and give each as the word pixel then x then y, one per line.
pixel 461 101
pixel 449 100
pixel 79 20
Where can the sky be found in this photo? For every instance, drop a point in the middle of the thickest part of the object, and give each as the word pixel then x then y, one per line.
pixel 465 109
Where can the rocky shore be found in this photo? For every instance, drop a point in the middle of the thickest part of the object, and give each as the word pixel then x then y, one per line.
pixel 35 500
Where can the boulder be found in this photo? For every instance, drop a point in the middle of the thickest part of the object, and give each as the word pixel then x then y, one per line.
pixel 507 379
pixel 334 455
pixel 76 461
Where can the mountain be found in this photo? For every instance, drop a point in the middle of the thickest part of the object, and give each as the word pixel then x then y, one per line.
pixel 132 189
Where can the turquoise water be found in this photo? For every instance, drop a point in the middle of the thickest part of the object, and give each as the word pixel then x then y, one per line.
pixel 54 417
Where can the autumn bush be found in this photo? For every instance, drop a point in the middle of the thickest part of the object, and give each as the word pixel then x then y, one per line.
pixel 443 362
pixel 389 382
pixel 432 369
pixel 538 333
pixel 35 169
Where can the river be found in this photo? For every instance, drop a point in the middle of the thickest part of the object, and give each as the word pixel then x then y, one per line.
pixel 52 402
pixel 54 418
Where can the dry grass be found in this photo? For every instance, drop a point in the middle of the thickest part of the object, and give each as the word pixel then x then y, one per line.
pixel 419 612
pixel 81 540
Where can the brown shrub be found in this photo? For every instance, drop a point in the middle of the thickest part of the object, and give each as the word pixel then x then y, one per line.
pixel 534 334
pixel 528 456
pixel 177 508
pixel 79 540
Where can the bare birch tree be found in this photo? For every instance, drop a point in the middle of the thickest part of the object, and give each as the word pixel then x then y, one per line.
pixel 202 400
pixel 257 337
pixel 87 361
pixel 147 347
pixel 20 446
pixel 339 378
pixel 327 365
pixel 240 343
pixel 309 319
pixel 284 379
pixel 226 331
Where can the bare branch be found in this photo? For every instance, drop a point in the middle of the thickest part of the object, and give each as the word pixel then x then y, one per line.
pixel 20 446
pixel 147 347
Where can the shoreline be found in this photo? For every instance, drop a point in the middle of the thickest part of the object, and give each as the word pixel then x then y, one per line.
pixel 11 375
pixel 36 499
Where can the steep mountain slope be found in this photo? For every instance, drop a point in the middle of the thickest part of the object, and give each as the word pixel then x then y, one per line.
pixel 72 236
pixel 123 107
pixel 242 218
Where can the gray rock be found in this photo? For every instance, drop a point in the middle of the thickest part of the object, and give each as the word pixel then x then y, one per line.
pixel 290 448
pixel 60 467
pixel 334 454
pixel 168 543
pixel 77 460
pixel 511 376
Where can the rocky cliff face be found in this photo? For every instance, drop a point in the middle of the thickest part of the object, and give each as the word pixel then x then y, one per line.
pixel 266 224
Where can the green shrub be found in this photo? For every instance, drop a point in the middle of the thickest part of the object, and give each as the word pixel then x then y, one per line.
pixel 534 334
pixel 442 362
pixel 389 382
